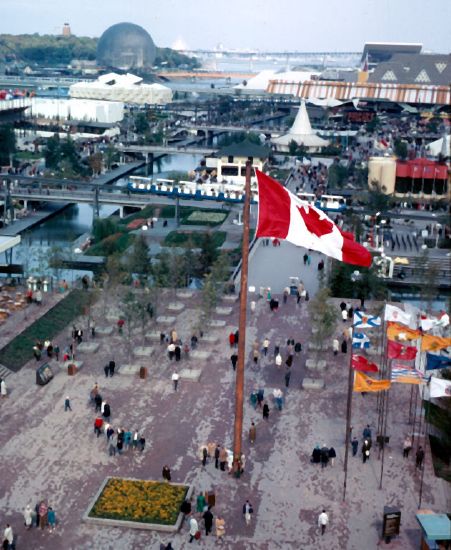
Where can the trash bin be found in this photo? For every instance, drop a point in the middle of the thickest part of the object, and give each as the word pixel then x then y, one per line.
pixel 210 498
pixel 43 374
pixel 143 373
pixel 71 369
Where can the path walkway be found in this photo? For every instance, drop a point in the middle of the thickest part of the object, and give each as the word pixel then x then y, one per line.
pixel 49 453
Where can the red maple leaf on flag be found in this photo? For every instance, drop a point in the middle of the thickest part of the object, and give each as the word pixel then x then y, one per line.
pixel 314 223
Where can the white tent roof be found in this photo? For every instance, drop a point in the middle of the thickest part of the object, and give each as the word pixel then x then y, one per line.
pixel 301 131
pixel 261 80
pixel 441 145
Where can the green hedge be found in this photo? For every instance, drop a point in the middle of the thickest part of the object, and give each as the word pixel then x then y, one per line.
pixel 118 242
pixel 181 238
pixel 20 350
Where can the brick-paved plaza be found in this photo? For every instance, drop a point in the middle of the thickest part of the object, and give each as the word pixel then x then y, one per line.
pixel 47 453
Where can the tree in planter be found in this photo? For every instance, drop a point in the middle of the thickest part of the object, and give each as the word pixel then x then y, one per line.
pixel 208 302
pixel 208 252
pixel 139 259
pixel 7 144
pixel 324 318
pixel 427 272
pixel 95 162
pixel 191 262
pixel 112 278
pixel 110 156
pixel 220 271
pixel 376 198
pixel 132 312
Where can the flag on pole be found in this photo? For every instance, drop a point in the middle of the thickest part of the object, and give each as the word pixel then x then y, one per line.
pixel 404 375
pixel 393 313
pixel 361 320
pixel 398 351
pixel 360 340
pixel 440 387
pixel 434 343
pixel 400 332
pixel 284 216
pixel 362 364
pixel 437 361
pixel 364 383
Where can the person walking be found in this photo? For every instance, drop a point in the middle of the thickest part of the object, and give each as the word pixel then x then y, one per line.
pixel 175 380
pixel 3 389
pixel 366 451
pixel 232 339
pixel 166 473
pixel 204 456
pixel 200 503
pixel 255 356
pixel 324 456
pixel 323 520
pixel 220 527
pixel 332 456
pixel 193 528
pixel 407 446
pixel 93 328
pixel 111 367
pixel 355 445
pixel 217 453
pixel 171 351
pixel 265 346
pixel 106 370
pixel 278 360
pixel 51 518
pixel 234 360
pixel 247 511
pixel 28 516
pixel 287 377
pixel 367 432
pixel 265 411
pixel 208 521
pixel 222 458
pixel 335 346
pixel 252 433
pixel 8 537
pixel 67 406
pixel 419 457
pixel 344 346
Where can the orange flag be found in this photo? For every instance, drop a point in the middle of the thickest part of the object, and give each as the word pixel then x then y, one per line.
pixel 362 382
pixel 395 331
pixel 434 343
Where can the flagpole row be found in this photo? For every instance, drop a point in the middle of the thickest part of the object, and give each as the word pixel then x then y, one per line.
pixel 423 466
pixel 415 415
pixel 384 430
pixel 410 404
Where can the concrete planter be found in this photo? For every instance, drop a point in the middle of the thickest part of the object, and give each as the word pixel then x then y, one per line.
pixel 133 524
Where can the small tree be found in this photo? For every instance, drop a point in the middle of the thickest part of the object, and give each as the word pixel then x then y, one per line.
pixel 208 252
pixel 112 278
pixel 208 303
pixel 110 156
pixel 131 312
pixel 324 317
pixel 95 162
pixel 139 259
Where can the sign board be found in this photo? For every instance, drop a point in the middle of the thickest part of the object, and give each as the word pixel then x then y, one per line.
pixel 392 522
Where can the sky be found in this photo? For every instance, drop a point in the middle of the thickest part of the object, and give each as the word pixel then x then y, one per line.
pixel 267 25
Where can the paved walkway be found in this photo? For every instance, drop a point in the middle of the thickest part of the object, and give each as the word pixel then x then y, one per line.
pixel 52 454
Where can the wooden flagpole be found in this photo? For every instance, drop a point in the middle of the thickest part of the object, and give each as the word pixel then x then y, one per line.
pixel 348 420
pixel 384 428
pixel 426 433
pixel 239 383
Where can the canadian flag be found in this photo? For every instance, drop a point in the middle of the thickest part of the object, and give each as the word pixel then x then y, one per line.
pixel 284 216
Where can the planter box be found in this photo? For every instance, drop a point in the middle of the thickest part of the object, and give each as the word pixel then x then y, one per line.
pixel 224 310
pixel 184 294
pixel 319 364
pixel 176 306
pixel 313 384
pixel 199 354
pixel 87 347
pixel 193 375
pixel 166 320
pixel 142 351
pixel 217 323
pixel 112 522
pixel 129 369
pixel 104 331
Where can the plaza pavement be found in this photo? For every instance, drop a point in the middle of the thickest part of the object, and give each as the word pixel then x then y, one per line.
pixel 51 454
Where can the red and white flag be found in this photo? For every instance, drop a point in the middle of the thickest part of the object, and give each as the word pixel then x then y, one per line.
pixel 284 216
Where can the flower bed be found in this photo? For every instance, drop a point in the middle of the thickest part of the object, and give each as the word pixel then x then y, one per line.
pixel 202 217
pixel 138 503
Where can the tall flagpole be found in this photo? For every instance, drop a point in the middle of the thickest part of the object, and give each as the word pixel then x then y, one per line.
pixel 239 384
pixel 384 427
pixel 383 396
pixel 348 420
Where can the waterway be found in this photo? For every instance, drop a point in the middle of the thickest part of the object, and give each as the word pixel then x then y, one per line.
pixel 62 229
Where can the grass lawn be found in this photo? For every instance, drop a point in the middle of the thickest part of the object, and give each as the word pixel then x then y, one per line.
pixel 143 501
pixel 20 350
pixel 200 215
pixel 181 238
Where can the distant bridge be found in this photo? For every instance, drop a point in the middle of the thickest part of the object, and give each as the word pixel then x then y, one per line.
pixel 166 149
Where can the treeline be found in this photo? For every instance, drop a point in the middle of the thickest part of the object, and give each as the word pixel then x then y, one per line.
pixel 50 50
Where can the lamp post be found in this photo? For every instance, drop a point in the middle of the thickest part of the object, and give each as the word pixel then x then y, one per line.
pixel 438 227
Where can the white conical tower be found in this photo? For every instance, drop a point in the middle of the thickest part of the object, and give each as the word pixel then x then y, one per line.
pixel 301 125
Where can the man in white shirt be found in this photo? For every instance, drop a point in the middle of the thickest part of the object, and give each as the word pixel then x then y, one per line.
pixel 8 535
pixel 323 520
pixel 175 380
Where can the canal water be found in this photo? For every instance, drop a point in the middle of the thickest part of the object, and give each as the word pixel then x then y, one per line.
pixel 65 227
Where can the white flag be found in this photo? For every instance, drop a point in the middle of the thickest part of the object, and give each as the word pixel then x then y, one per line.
pixel 440 387
pixel 393 313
